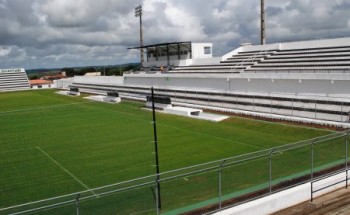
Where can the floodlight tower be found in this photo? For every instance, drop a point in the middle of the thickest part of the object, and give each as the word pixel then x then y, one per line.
pixel 138 13
pixel 262 24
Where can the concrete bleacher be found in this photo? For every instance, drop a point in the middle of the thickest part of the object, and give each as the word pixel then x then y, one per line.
pixel 13 80
pixel 300 81
pixel 329 59
pixel 315 56
pixel 234 64
pixel 314 108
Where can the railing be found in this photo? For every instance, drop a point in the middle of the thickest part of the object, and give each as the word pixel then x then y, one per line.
pixel 325 176
pixel 211 186
pixel 296 71
pixel 250 59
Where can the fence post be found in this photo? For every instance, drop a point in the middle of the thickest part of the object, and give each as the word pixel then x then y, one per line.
pixel 77 204
pixel 157 197
pixel 312 171
pixel 270 170
pixel 346 158
pixel 312 160
pixel 220 184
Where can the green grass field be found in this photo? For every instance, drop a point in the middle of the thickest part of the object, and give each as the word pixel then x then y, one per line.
pixel 53 145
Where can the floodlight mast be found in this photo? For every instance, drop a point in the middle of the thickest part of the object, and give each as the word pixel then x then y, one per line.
pixel 262 30
pixel 138 13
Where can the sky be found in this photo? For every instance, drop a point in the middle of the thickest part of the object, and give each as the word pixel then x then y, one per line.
pixel 71 33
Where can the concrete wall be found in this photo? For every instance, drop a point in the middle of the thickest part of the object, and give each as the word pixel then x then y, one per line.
pixel 116 80
pixel 308 84
pixel 164 62
pixel 300 45
pixel 285 199
pixel 63 83
pixel 198 50
pixel 206 61
pixel 43 86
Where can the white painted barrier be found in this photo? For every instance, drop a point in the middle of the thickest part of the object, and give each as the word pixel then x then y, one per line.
pixel 284 199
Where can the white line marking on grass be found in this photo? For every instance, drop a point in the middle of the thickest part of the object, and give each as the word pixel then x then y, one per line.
pixel 16 150
pixel 42 108
pixel 64 169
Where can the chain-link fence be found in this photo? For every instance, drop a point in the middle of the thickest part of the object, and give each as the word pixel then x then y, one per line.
pixel 206 187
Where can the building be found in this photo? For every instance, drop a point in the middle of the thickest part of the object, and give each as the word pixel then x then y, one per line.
pixel 175 53
pixel 41 84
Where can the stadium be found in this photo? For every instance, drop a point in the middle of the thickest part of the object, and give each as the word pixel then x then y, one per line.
pixel 257 130
pixel 303 82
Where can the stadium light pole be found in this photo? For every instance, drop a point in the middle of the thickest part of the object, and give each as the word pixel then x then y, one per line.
pixel 156 147
pixel 138 13
pixel 262 24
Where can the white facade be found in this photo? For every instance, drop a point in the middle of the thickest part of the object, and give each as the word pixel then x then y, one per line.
pixel 178 55
pixel 3 71
pixel 43 86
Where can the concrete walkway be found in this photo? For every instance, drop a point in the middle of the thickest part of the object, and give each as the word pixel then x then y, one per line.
pixel 334 203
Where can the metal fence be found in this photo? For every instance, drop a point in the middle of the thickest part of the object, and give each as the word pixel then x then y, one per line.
pixel 207 187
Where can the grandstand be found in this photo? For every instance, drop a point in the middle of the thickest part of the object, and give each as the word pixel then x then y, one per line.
pixel 13 80
pixel 305 81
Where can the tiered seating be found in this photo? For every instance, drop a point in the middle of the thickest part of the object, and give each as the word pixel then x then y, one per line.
pixel 329 59
pixel 13 80
pixel 234 64
pixel 312 107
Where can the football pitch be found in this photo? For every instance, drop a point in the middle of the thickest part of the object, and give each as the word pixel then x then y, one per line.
pixel 53 145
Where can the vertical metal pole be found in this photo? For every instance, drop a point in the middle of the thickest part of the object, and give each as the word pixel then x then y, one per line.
pixel 156 148
pixel 220 188
pixel 312 160
pixel 77 204
pixel 270 171
pixel 312 171
pixel 346 158
pixel 220 184
pixel 138 13
pixel 262 33
pixel 157 199
pixel 141 38
pixel 341 110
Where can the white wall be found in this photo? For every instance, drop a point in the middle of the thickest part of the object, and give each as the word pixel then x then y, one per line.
pixel 285 199
pixel 63 83
pixel 43 86
pixel 305 84
pixel 165 62
pixel 206 61
pixel 300 45
pixel 117 80
pixel 198 50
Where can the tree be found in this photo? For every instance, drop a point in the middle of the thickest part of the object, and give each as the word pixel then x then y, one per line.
pixel 69 72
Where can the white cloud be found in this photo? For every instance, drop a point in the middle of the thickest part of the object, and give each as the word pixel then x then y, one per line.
pixel 59 33
pixel 4 51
